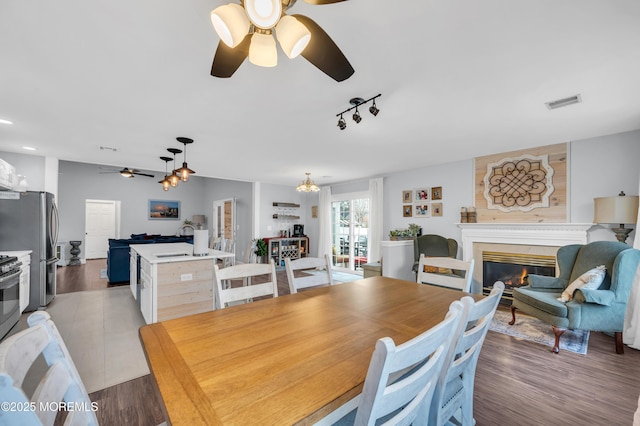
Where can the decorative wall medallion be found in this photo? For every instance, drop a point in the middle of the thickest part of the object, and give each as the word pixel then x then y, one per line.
pixel 519 183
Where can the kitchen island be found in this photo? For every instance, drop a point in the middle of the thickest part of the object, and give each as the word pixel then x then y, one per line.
pixel 170 282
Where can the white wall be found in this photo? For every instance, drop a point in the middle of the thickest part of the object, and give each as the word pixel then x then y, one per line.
pixel 32 167
pixel 598 167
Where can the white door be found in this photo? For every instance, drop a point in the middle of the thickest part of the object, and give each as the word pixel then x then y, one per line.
pixel 100 225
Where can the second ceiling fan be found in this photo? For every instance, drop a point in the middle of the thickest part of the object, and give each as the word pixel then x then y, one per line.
pixel 248 30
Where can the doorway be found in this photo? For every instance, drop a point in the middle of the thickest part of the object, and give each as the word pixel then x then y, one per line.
pixel 349 231
pixel 224 219
pixel 102 221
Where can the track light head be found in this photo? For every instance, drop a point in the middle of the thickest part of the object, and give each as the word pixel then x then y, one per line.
pixel 373 109
pixel 356 116
pixel 341 123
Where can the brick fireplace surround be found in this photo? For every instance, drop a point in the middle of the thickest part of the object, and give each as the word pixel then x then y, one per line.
pixel 521 238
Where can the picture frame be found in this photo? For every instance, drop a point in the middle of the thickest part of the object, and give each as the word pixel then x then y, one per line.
pixel 407 210
pixel 422 210
pixel 314 212
pixel 436 209
pixel 407 196
pixel 163 210
pixel 436 193
pixel 422 194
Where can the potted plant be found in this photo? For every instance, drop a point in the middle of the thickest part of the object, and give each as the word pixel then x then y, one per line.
pixel 261 249
pixel 405 233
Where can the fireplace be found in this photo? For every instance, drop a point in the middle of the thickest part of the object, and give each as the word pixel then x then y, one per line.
pixel 531 239
pixel 513 270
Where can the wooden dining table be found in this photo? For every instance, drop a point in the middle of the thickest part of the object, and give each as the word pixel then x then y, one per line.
pixel 286 360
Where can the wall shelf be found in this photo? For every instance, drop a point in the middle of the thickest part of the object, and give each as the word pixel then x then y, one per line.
pixel 285 217
pixel 287 205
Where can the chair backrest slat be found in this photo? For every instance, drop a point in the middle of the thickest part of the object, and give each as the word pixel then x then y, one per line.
pixel 60 382
pixel 430 271
pixel 405 399
pixel 322 277
pixel 245 271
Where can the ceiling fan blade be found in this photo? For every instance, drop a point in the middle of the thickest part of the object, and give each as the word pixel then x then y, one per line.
pixel 227 60
pixel 143 174
pixel 324 53
pixel 323 1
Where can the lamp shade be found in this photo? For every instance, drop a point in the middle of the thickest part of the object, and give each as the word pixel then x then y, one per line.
pixel 618 209
pixel 262 51
pixel 292 35
pixel 263 13
pixel 231 23
pixel 198 219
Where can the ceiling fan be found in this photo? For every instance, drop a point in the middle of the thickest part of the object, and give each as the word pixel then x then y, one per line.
pixel 130 173
pixel 247 30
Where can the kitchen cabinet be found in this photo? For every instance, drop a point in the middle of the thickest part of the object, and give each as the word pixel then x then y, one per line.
pixel 172 283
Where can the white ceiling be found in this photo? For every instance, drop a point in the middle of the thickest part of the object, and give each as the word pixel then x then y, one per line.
pixel 458 79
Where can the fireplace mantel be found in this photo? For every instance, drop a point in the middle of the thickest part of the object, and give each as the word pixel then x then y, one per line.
pixel 537 234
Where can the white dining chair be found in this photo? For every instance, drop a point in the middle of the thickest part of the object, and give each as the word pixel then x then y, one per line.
pixel 320 276
pixel 245 273
pixel 454 391
pixel 60 382
pixel 444 272
pixel 401 380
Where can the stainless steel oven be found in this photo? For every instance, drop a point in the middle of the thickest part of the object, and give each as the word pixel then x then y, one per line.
pixel 9 293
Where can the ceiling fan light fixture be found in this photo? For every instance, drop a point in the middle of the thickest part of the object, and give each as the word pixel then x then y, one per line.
pixel 126 172
pixel 231 23
pixel 262 51
pixel 292 35
pixel 263 14
pixel 307 185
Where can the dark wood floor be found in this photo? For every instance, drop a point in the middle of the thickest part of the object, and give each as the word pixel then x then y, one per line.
pixel 517 382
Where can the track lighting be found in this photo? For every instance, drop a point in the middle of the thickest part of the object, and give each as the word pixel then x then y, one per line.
pixel 356 102
pixel 373 109
pixel 341 123
pixel 356 116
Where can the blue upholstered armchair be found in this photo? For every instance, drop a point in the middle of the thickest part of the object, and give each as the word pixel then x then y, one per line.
pixel 600 309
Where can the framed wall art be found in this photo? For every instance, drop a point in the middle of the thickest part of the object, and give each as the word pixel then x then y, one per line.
pixel 436 193
pixel 164 209
pixel 407 211
pixel 407 196
pixel 421 210
pixel 422 194
pixel 436 209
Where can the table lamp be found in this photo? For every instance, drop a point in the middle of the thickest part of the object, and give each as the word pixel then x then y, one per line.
pixel 621 209
pixel 198 220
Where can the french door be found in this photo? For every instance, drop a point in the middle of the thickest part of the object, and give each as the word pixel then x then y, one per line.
pixel 349 228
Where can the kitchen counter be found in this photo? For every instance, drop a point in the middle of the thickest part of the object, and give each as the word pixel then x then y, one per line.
pixel 170 282
pixel 174 252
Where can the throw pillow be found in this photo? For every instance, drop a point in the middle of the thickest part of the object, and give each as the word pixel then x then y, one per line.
pixel 590 280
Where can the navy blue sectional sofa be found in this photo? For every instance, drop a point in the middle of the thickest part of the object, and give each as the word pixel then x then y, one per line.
pixel 118 254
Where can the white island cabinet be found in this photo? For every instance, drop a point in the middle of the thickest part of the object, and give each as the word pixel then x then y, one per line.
pixel 172 283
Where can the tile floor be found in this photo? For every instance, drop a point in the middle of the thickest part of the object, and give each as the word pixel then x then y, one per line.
pixel 100 329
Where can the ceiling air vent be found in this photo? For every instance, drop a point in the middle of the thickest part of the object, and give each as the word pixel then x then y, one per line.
pixel 576 99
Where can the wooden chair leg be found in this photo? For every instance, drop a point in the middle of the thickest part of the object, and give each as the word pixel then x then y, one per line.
pixel 557 331
pixel 619 346
pixel 513 315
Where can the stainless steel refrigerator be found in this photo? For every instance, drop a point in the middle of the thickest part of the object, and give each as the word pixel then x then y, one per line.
pixel 29 221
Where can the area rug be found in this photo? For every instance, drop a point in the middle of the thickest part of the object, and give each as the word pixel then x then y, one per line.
pixel 534 330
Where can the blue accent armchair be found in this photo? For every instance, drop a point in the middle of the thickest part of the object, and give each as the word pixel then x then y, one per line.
pixel 600 309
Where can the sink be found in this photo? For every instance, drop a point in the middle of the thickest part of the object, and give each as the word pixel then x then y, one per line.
pixel 163 255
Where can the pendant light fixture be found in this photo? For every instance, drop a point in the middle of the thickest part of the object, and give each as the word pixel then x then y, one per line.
pixel 174 178
pixel 165 182
pixel 184 171
pixel 307 185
